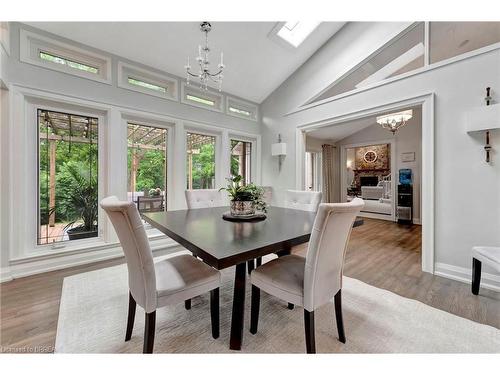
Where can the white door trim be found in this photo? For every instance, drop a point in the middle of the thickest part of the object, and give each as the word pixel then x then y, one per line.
pixel 426 100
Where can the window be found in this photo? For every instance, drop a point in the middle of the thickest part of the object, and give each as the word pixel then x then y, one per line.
pixel 295 32
pixel 449 39
pixel 240 108
pixel 52 54
pixel 147 85
pixel 197 99
pixel 67 176
pixel 201 98
pixel 72 64
pixel 241 160
pixel 147 82
pixel 200 161
pixel 402 55
pixel 147 167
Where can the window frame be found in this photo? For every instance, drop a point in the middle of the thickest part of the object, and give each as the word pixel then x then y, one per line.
pixel 255 160
pixel 31 44
pixel 217 98
pixel 33 248
pixel 170 83
pixel 207 131
pixel 169 126
pixel 232 102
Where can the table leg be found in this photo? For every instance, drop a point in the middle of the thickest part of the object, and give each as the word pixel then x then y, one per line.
pixel 286 251
pixel 238 315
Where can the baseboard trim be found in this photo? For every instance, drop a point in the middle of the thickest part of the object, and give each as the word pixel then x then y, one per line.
pixel 5 274
pixel 29 267
pixel 488 280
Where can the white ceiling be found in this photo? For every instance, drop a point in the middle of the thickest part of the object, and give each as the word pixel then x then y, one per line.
pixel 255 64
pixel 337 132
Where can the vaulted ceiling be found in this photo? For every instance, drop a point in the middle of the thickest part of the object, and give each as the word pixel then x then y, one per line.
pixel 255 63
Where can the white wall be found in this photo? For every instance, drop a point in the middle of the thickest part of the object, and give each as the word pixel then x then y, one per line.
pixel 408 139
pixel 467 190
pixel 25 77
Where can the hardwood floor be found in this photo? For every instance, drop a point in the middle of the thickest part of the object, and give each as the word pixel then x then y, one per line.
pixel 380 253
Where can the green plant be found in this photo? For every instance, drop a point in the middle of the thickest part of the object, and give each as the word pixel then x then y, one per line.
pixel 81 200
pixel 251 192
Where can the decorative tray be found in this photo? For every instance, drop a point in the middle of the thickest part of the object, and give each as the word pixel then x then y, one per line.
pixel 255 217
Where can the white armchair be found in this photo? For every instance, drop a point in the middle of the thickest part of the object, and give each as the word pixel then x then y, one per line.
pixel 312 281
pixel 154 285
pixel 204 198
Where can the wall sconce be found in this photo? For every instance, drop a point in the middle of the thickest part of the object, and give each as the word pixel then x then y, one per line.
pixel 279 150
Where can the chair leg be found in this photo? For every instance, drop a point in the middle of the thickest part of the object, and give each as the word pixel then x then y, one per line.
pixel 254 320
pixel 309 330
pixel 259 261
pixel 251 266
pixel 149 332
pixel 214 312
pixel 131 316
pixel 290 306
pixel 476 276
pixel 338 316
pixel 187 304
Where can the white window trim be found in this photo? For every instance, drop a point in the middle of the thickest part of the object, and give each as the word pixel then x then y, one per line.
pixel 31 44
pixel 218 98
pixel 145 119
pixel 126 71
pixel 23 180
pixel 255 162
pixel 243 105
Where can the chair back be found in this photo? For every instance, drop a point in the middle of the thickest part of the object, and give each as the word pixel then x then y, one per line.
pixel 130 230
pixel 204 198
pixel 268 194
pixel 326 251
pixel 303 200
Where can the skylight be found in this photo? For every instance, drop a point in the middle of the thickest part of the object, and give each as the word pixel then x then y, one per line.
pixel 295 32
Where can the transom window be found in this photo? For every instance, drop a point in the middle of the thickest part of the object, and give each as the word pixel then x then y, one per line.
pixel 147 85
pixel 241 160
pixel 67 176
pixel 147 167
pixel 70 63
pixel 197 99
pixel 200 161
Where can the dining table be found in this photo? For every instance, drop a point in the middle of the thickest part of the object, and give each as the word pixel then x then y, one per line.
pixel 223 244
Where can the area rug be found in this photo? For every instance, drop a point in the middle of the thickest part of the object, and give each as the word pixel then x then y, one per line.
pixel 93 315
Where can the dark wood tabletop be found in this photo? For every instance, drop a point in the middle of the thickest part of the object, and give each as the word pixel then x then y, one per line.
pixel 222 243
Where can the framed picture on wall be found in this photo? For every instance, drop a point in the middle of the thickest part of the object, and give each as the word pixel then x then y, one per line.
pixel 407 156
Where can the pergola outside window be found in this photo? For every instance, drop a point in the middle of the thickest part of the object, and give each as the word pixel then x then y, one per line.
pixel 67 176
pixel 200 161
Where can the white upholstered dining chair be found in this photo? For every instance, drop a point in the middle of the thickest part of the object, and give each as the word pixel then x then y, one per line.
pixel 303 200
pixel 312 281
pixel 204 198
pixel 156 284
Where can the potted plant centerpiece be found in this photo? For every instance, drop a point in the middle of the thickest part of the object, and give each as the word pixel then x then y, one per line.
pixel 245 199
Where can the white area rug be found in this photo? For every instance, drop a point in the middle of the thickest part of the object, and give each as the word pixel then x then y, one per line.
pixel 93 315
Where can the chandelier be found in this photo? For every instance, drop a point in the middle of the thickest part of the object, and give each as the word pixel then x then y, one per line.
pixel 204 74
pixel 394 121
